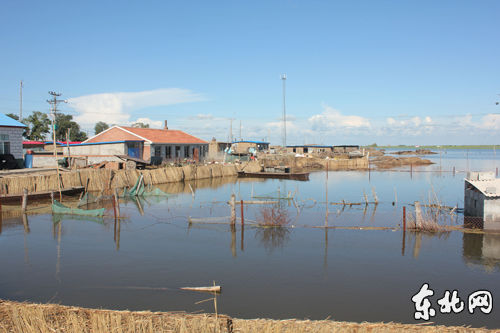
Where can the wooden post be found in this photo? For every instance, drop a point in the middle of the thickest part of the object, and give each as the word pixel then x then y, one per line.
pixel 233 210
pixel 497 172
pixel 404 218
pixel 418 215
pixel 25 200
pixel 52 197
pixel 117 203
pixel 25 224
pixel 242 215
pixel 114 206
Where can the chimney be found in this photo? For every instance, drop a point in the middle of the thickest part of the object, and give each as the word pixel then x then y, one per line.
pixel 165 127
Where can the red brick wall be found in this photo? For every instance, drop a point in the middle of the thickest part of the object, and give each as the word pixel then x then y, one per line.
pixel 146 155
pixel 114 134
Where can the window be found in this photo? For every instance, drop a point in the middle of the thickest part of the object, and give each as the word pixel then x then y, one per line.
pixel 186 151
pixel 177 151
pixel 158 151
pixel 168 151
pixel 305 149
pixel 4 144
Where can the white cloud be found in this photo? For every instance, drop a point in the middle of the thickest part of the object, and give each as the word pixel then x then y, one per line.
pixel 490 122
pixel 152 123
pixel 115 108
pixel 331 119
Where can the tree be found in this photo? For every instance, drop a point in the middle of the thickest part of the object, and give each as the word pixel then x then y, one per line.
pixel 39 126
pixel 140 125
pixel 100 126
pixel 65 122
pixel 26 130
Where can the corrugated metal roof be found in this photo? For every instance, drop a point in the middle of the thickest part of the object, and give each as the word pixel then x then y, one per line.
pixel 490 187
pixel 8 121
pixel 309 146
pixel 251 141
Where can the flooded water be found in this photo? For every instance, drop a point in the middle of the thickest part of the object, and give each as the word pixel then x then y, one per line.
pixel 298 271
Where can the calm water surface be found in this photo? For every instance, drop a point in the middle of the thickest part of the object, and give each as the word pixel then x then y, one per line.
pixel 302 272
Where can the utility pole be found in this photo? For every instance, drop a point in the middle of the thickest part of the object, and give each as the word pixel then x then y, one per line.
pixel 240 132
pixel 283 78
pixel 21 101
pixel 231 129
pixel 53 111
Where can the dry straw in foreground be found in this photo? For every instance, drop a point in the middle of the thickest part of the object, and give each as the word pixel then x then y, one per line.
pixel 42 318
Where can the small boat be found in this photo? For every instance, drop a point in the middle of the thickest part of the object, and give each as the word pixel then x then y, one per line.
pixel 17 198
pixel 277 175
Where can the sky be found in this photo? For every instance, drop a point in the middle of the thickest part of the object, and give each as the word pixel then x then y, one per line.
pixel 358 72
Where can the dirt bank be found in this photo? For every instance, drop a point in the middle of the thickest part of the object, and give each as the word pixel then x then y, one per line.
pixel 386 162
pixel 314 163
pixel 415 152
pixel 30 317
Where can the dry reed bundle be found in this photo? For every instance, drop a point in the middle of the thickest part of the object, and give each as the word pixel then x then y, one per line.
pixel 189 172
pixel 203 172
pixel 216 170
pixel 28 318
pixel 229 170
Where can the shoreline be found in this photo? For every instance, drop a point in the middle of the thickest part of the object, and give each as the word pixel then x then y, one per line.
pixel 36 317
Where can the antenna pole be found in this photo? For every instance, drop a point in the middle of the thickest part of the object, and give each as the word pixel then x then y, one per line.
pixel 21 101
pixel 283 78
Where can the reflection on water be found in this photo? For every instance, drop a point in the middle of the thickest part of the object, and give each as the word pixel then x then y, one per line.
pixel 272 238
pixel 353 275
pixel 482 249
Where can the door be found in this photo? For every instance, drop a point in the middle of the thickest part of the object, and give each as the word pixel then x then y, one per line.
pixel 196 154
pixel 134 150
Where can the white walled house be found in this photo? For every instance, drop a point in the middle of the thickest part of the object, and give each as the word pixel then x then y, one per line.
pixel 482 198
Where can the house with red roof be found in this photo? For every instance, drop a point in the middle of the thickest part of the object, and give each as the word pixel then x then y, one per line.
pixel 149 144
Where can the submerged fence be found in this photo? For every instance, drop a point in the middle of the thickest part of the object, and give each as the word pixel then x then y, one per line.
pixel 104 179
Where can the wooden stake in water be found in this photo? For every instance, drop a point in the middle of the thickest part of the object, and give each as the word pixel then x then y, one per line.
pixel 232 203
pixel 404 218
pixel 25 200
pixel 375 198
pixel 117 203
pixel 418 215
pixel 242 216
pixel 326 195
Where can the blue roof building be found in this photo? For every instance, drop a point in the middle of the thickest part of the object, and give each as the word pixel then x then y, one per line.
pixel 11 137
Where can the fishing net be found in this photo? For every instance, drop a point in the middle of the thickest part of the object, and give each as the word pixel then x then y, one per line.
pixel 89 198
pixel 273 195
pixel 140 190
pixel 156 192
pixel 59 208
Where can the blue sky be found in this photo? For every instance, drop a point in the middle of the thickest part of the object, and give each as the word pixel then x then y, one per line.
pixel 390 72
